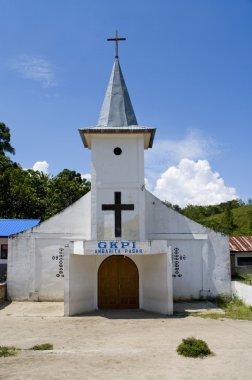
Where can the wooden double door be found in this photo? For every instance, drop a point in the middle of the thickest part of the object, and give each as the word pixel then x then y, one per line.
pixel 118 283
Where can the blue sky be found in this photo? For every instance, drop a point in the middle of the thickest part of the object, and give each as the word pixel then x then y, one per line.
pixel 187 65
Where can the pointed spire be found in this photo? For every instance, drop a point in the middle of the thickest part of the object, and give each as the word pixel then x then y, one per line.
pixel 117 110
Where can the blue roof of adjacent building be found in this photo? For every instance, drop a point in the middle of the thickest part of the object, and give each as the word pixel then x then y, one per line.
pixel 14 226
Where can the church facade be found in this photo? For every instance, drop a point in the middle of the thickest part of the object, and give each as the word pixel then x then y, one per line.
pixel 118 246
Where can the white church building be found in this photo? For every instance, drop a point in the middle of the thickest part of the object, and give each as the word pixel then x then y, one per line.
pixel 118 247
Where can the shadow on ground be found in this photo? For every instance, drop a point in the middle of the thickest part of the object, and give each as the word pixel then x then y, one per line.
pixel 131 314
pixel 56 309
pixel 4 304
pixel 181 310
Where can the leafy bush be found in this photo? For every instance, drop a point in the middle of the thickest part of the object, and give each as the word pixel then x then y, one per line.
pixel 194 348
pixel 42 347
pixel 3 277
pixel 8 351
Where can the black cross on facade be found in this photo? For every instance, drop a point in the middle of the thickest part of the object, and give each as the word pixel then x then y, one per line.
pixel 116 39
pixel 118 207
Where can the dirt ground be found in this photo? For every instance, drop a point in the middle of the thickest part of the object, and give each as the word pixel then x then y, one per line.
pixel 120 344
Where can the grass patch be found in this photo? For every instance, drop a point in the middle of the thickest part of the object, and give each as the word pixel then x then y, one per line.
pixel 245 278
pixel 8 351
pixel 193 348
pixel 12 351
pixel 234 308
pixel 42 347
pixel 210 315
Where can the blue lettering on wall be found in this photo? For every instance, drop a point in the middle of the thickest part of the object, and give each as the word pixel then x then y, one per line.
pixel 117 247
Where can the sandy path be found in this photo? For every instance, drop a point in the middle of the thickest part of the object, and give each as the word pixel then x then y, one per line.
pixel 121 345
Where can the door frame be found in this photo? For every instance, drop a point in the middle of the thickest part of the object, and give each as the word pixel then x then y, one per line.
pixel 138 278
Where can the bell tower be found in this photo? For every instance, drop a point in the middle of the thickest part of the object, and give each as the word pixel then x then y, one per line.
pixel 121 265
pixel 117 144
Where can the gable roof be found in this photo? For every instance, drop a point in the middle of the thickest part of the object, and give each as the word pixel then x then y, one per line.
pixel 240 243
pixel 14 226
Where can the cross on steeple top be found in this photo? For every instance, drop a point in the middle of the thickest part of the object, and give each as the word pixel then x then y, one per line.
pixel 116 39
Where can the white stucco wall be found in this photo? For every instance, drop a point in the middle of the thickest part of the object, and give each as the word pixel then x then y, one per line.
pixel 201 265
pixel 201 259
pixel 157 295
pixel 118 173
pixel 81 282
pixel 242 291
pixel 34 262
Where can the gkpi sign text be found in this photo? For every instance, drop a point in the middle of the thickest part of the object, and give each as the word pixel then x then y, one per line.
pixel 118 247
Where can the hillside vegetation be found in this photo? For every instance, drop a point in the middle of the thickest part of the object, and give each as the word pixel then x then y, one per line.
pixel 241 223
pixel 232 218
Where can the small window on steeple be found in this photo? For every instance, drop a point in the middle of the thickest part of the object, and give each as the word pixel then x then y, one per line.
pixel 117 151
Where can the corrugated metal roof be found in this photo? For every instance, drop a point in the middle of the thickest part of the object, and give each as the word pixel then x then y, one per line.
pixel 14 226
pixel 240 243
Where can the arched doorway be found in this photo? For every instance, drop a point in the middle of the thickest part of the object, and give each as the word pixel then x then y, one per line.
pixel 118 283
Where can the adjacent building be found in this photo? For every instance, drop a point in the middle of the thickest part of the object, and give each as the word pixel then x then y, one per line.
pixel 9 227
pixel 240 254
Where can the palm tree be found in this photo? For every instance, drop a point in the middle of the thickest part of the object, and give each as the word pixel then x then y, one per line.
pixel 5 145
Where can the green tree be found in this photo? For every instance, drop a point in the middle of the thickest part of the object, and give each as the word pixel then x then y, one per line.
pixel 250 222
pixel 228 223
pixel 174 207
pixel 177 208
pixel 22 192
pixel 33 194
pixel 195 213
pixel 64 189
pixel 5 136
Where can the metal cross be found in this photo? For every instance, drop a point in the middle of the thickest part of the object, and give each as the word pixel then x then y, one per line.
pixel 116 39
pixel 118 208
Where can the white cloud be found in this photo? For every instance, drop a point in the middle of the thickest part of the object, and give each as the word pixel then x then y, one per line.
pixel 86 176
pixel 147 184
pixel 179 171
pixel 35 68
pixel 41 166
pixel 193 182
pixel 169 152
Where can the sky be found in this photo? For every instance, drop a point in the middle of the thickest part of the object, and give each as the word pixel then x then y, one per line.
pixel 188 68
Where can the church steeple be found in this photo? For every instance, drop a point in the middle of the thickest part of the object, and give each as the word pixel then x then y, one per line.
pixel 117 110
pixel 117 143
pixel 117 115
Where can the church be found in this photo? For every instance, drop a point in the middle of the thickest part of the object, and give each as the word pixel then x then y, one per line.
pixel 118 247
